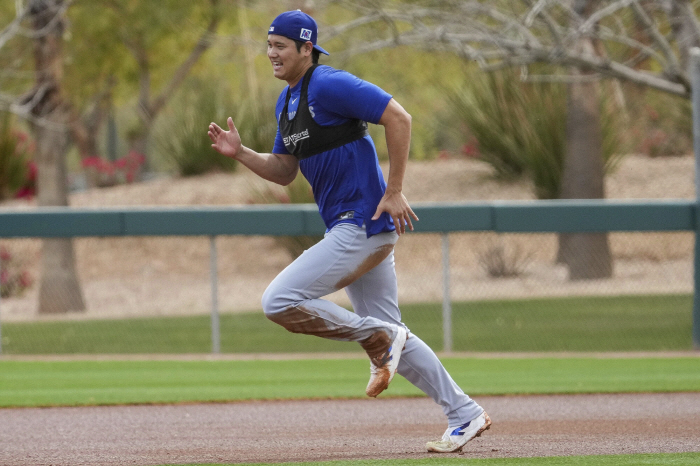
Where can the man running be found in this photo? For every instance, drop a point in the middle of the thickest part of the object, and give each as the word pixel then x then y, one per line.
pixel 322 117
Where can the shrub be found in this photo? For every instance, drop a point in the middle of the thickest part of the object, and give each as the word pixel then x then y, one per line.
pixel 17 172
pixel 182 138
pixel 501 262
pixel 520 128
pixel 664 124
pixel 256 123
pixel 13 280
pixel 28 189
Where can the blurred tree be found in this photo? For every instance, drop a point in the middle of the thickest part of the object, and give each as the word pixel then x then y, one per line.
pixel 164 43
pixel 645 40
pixel 73 82
pixel 49 114
pixel 111 52
pixel 640 41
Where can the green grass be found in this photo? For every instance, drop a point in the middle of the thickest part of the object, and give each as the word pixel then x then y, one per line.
pixel 619 323
pixel 660 459
pixel 74 383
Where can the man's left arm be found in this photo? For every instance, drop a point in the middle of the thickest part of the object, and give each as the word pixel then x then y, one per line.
pixel 397 126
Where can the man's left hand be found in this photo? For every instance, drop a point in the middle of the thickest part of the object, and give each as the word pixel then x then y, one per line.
pixel 396 205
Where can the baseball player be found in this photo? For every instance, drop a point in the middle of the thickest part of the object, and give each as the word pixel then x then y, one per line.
pixel 322 120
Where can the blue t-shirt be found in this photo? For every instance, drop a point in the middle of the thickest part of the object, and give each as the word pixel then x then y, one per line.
pixel 347 182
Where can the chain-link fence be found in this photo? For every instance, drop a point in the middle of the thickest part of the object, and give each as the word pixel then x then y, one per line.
pixel 507 292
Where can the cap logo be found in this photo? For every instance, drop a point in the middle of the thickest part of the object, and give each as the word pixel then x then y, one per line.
pixel 305 34
pixel 272 28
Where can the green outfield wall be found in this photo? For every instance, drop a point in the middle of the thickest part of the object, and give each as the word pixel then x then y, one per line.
pixel 567 216
pixel 556 216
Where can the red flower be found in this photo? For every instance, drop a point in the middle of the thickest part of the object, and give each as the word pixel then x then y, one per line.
pixel 31 166
pixel 5 255
pixel 653 114
pixel 25 193
pixel 92 161
pixel 471 148
pixel 21 137
pixel 25 280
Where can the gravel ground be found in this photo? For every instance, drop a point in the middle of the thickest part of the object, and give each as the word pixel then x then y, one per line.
pixel 323 430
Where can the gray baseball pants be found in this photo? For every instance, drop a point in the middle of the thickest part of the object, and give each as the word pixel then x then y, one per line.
pixel 346 258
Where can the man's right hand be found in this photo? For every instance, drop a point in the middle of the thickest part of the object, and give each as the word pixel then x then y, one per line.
pixel 228 142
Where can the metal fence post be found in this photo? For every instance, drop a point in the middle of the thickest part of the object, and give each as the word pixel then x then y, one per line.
pixel 215 329
pixel 0 310
pixel 695 80
pixel 446 300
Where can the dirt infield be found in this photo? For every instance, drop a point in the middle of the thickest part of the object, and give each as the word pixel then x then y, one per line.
pixel 322 430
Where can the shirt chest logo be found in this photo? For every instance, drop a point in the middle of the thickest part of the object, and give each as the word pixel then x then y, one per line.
pixel 296 137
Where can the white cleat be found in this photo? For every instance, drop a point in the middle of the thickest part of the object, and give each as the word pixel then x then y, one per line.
pixel 383 368
pixel 456 437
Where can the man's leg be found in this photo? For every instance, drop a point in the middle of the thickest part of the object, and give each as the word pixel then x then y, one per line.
pixel 293 298
pixel 376 294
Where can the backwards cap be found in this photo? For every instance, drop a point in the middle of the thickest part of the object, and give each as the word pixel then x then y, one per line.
pixel 296 25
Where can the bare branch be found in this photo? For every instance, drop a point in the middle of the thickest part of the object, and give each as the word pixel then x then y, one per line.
pixel 12 29
pixel 693 20
pixel 660 40
pixel 599 15
pixel 538 31
pixel 25 105
pixel 535 11
pixel 58 15
pixel 552 26
pixel 645 50
pixel 333 31
pixel 561 79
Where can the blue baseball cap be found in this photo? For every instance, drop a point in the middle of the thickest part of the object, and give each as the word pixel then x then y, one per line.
pixel 296 25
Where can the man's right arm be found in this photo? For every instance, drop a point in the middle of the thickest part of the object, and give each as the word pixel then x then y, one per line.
pixel 278 168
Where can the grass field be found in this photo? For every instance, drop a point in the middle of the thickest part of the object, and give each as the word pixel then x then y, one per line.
pixel 583 324
pixel 618 323
pixel 73 383
pixel 677 459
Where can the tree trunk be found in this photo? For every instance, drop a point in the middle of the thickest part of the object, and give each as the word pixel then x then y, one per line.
pixel 59 290
pixel 587 255
pixel 682 27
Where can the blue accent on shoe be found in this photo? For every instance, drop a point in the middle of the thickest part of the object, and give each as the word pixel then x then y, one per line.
pixel 458 430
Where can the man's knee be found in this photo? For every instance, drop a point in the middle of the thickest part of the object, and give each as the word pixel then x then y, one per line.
pixel 275 302
pixel 269 299
pixel 282 310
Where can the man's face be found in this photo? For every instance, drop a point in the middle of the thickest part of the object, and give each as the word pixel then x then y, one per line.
pixel 288 64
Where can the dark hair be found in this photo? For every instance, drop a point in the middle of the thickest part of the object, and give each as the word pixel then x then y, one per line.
pixel 315 54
